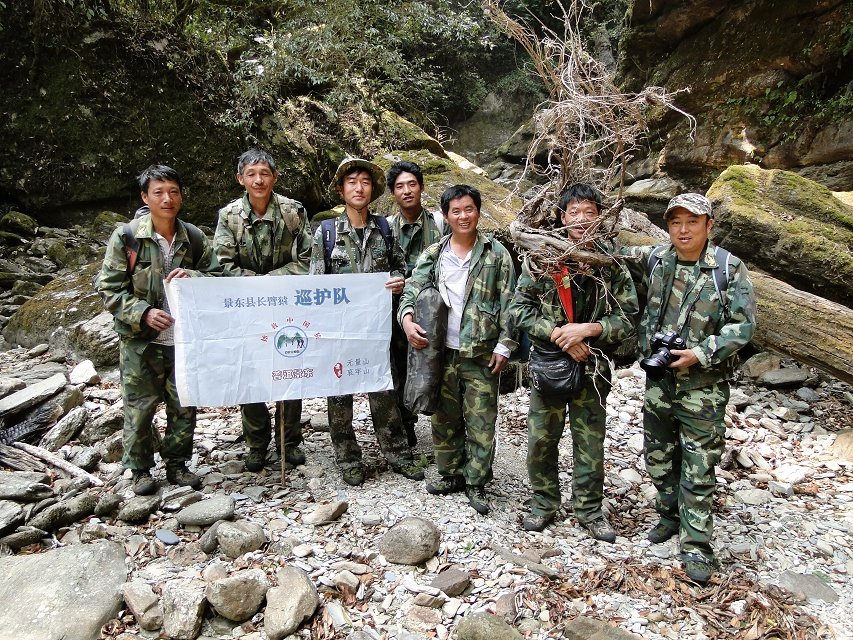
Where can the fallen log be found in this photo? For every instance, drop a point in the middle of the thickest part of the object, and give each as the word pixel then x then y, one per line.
pixel 59 463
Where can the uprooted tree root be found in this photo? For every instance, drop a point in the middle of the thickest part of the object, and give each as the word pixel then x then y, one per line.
pixel 733 605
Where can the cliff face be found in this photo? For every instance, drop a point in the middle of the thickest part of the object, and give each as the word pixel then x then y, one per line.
pixel 769 82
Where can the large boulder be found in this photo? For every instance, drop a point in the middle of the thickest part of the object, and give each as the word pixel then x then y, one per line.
pixel 791 227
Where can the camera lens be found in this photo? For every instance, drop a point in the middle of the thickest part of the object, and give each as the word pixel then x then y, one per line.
pixel 656 365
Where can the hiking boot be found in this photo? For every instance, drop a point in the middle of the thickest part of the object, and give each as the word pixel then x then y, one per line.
pixel 662 532
pixel 143 484
pixel 535 522
pixel 256 459
pixel 697 568
pixel 477 499
pixel 293 455
pixel 600 529
pixel 409 470
pixel 445 485
pixel 180 475
pixel 353 475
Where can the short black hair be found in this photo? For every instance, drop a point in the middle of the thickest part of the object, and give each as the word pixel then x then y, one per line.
pixel 158 172
pixel 255 155
pixel 403 166
pixel 579 191
pixel 459 191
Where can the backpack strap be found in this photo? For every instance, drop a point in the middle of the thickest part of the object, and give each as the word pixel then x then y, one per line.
pixel 438 218
pixel 654 260
pixel 385 230
pixel 196 242
pixel 721 275
pixel 290 212
pixel 330 234
pixel 131 244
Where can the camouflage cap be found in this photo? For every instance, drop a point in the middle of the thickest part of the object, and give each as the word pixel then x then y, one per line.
pixel 374 170
pixel 695 203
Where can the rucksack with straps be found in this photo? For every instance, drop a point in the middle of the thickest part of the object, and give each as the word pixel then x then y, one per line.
pixel 720 272
pixel 330 236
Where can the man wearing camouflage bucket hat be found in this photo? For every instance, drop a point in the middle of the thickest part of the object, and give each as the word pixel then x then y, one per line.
pixel 360 242
pixel 700 311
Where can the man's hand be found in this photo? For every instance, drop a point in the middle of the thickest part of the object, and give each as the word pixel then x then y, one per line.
pixel 396 284
pixel 684 358
pixel 177 273
pixel 415 334
pixel 497 363
pixel 567 336
pixel 157 319
pixel 578 352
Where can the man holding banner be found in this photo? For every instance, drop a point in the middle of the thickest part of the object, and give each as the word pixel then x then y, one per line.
pixel 264 233
pixel 359 242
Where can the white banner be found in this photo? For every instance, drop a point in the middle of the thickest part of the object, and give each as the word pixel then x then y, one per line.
pixel 266 338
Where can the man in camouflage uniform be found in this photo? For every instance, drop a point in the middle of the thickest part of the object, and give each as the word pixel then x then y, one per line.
pixel 604 305
pixel 361 246
pixel 132 285
pixel 476 278
pixel 264 233
pixel 683 412
pixel 414 229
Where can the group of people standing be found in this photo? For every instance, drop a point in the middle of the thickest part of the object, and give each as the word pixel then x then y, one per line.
pixel 583 312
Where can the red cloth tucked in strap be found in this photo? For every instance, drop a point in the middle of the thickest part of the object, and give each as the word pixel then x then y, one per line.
pixel 565 292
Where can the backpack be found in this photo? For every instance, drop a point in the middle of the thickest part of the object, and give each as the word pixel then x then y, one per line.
pixel 720 272
pixel 330 236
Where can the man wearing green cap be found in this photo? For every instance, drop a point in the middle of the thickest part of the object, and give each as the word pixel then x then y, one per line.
pixel 360 242
pixel 700 294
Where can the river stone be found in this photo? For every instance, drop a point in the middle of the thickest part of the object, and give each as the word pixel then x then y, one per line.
pixel 208 541
pixel 24 486
pixel 452 581
pixel 67 593
pixel 782 378
pixel 32 395
pixel 753 497
pixel 86 458
pixel 289 604
pixel 761 363
pixel 167 537
pixel 810 586
pixel 143 604
pixel 103 425
pixel 206 512
pixel 64 430
pixel 346 580
pixel 484 626
pixel 23 537
pixel 583 628
pixel 64 513
pixel 738 399
pixel 422 619
pixel 20 223
pixel 84 373
pixel 182 604
pixel 11 513
pixel 108 504
pixel 238 597
pixel 326 513
pixel 237 538
pixel 38 350
pixel 138 508
pixel 410 541
pixel 842 448
pixel 96 338
pixel 10 385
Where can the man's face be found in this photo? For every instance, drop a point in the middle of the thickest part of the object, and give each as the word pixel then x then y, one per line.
pixel 357 189
pixel 463 216
pixel 163 198
pixel 258 180
pixel 579 216
pixel 407 191
pixel 688 233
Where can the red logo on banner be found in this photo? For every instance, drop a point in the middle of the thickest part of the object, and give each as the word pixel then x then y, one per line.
pixel 339 369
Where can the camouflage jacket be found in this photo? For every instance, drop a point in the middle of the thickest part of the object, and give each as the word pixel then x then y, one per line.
pixel 127 298
pixel 713 327
pixel 488 293
pixel 351 255
pixel 424 232
pixel 608 298
pixel 283 247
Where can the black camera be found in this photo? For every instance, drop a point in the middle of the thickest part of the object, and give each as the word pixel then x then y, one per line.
pixel 656 365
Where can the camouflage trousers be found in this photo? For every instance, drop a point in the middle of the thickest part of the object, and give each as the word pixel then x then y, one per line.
pixel 463 426
pixel 147 378
pixel 386 425
pixel 399 369
pixel 546 420
pixel 684 439
pixel 257 429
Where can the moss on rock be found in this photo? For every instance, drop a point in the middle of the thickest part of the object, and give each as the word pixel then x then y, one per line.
pixel 19 223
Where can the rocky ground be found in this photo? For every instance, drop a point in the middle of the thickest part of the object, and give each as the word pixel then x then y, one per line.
pixel 314 545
